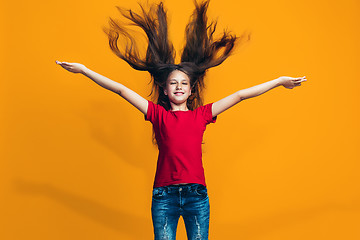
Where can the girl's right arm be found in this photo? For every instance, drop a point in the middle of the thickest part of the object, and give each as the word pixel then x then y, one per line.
pixel 132 97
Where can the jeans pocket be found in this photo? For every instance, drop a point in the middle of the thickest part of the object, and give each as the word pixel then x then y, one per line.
pixel 158 192
pixel 201 190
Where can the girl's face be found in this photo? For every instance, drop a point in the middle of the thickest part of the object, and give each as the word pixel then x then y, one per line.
pixel 178 87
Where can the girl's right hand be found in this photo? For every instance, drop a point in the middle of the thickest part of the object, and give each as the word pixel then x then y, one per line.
pixel 72 67
pixel 289 82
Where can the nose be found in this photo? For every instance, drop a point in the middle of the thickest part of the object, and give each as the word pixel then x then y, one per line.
pixel 178 86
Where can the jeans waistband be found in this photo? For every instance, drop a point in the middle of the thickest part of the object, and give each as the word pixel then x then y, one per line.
pixel 189 186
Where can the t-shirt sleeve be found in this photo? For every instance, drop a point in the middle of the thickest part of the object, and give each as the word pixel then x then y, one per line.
pixel 151 113
pixel 207 113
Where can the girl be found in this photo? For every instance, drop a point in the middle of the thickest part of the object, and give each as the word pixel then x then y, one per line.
pixel 179 117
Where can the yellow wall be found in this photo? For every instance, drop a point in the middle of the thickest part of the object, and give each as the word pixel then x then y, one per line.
pixel 77 160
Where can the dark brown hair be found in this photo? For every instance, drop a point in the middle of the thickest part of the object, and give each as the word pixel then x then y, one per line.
pixel 199 53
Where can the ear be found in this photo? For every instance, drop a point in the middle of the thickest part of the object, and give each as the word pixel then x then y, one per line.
pixel 165 92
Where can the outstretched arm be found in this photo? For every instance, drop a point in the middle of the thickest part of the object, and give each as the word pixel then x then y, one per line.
pixel 132 97
pixel 229 101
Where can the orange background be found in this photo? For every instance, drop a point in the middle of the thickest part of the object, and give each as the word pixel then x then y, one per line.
pixel 77 160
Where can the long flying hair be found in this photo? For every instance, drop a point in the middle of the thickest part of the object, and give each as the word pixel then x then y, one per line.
pixel 199 53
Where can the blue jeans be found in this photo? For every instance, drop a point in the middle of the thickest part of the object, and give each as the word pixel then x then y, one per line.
pixel 191 201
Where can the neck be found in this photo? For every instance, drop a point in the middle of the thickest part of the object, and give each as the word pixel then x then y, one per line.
pixel 179 107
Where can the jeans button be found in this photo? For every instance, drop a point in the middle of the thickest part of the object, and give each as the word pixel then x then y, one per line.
pixel 180 189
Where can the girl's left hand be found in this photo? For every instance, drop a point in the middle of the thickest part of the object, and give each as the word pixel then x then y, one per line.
pixel 289 82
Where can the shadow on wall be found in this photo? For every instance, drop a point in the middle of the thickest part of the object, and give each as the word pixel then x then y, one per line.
pixel 114 130
pixel 128 224
pixel 109 217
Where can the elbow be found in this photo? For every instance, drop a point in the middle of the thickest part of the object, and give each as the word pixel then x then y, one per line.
pixel 118 91
pixel 241 96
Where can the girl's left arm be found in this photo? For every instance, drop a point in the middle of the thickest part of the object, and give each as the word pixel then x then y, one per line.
pixel 229 101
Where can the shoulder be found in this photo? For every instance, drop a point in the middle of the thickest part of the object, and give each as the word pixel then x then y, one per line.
pixel 151 104
pixel 204 108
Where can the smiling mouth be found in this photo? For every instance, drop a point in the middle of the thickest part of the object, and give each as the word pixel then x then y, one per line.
pixel 178 93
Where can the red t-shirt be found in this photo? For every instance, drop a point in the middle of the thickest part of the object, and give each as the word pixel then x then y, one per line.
pixel 179 135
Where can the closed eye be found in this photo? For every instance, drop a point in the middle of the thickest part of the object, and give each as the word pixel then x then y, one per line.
pixel 184 83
